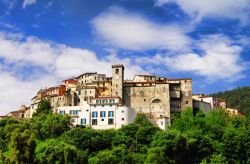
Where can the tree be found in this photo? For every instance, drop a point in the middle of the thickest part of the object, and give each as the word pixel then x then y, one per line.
pixel 104 157
pixel 88 139
pixel 43 107
pixel 155 155
pixel 236 145
pixel 237 98
pixel 118 154
pixel 142 120
pixel 56 151
pixel 49 125
pixel 21 147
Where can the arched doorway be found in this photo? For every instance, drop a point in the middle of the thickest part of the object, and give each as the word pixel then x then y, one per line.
pixel 156 106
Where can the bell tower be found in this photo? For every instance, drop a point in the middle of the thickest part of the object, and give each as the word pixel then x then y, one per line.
pixel 117 80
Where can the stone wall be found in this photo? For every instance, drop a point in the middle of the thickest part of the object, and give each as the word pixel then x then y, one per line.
pixel 151 100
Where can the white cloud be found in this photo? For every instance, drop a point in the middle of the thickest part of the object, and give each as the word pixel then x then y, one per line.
pixel 28 2
pixel 53 63
pixel 134 32
pixel 31 50
pixel 199 9
pixel 219 60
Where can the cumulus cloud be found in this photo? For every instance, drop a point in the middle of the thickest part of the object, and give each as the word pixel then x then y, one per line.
pixel 199 9
pixel 134 32
pixel 28 2
pixel 218 59
pixel 28 64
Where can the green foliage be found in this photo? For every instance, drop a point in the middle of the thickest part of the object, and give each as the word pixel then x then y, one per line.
pixel 192 138
pixel 88 139
pixel 20 148
pixel 49 125
pixel 56 151
pixel 142 120
pixel 43 108
pixel 237 98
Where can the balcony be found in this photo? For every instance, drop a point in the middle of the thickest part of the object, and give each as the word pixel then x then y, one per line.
pixel 175 94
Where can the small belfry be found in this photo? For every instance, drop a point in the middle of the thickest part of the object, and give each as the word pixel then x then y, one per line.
pixel 117 80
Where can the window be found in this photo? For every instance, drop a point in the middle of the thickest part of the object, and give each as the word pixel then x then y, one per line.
pixel 79 92
pixel 110 105
pixel 94 121
pixel 144 100
pixel 90 92
pixel 186 102
pixel 85 92
pixel 98 101
pixel 77 112
pixel 116 93
pixel 102 119
pixel 94 114
pixel 62 112
pixel 85 98
pixel 102 106
pixel 83 121
pixel 116 85
pixel 116 71
pixel 122 119
pixel 73 120
pixel 72 112
pixel 123 111
pixel 111 114
pixel 110 121
pixel 111 100
pixel 103 114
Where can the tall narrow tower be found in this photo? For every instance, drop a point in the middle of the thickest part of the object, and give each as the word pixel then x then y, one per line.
pixel 117 80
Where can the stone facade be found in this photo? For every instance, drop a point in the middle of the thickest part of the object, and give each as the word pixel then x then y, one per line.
pixel 117 80
pixel 153 100
pixel 155 96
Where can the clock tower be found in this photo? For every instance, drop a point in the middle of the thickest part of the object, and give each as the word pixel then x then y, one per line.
pixel 117 80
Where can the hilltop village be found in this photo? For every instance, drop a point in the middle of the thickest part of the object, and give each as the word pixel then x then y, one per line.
pixel 100 102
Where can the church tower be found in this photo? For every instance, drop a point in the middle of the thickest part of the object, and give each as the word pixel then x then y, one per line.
pixel 117 80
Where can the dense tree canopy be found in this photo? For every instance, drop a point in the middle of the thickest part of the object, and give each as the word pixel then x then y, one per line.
pixel 238 98
pixel 199 138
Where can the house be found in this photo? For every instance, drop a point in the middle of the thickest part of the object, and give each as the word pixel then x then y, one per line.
pixel 102 102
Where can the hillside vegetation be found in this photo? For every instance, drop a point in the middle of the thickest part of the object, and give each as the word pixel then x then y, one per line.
pixel 48 138
pixel 238 98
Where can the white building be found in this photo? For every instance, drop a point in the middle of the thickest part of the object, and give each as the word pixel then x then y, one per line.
pixel 100 113
pixel 208 99
pixel 80 114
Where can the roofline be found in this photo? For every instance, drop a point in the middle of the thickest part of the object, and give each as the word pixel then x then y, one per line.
pixel 90 73
pixel 180 79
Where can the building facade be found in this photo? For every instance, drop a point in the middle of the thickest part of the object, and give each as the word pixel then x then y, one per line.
pixel 102 102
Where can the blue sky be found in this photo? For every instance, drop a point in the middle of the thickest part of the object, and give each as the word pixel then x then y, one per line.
pixel 43 42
